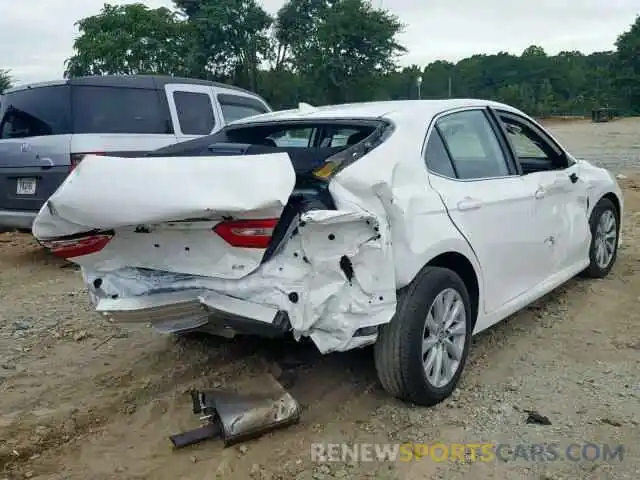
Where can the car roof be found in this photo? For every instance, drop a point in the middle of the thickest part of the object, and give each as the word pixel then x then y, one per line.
pixel 150 82
pixel 393 110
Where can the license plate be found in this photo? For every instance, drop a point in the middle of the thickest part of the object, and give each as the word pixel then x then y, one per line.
pixel 26 186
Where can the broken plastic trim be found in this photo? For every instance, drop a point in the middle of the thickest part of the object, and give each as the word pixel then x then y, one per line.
pixel 334 164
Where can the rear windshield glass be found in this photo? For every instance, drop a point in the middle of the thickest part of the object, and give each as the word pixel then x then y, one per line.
pixel 119 110
pixel 36 112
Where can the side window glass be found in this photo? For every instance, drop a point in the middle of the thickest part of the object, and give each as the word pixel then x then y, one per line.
pixel 525 143
pixel 117 110
pixel 235 107
pixel 195 113
pixel 436 156
pixel 532 151
pixel 474 148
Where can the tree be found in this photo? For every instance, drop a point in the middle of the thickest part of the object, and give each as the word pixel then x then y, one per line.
pixel 130 39
pixel 333 51
pixel 343 48
pixel 230 39
pixel 628 65
pixel 5 80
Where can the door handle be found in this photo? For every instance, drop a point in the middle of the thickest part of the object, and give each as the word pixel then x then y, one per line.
pixel 469 203
pixel 540 192
pixel 573 177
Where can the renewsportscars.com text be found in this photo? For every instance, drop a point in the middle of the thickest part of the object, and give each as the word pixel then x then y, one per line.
pixel 467 452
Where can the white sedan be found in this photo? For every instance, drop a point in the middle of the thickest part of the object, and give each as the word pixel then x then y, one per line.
pixel 411 225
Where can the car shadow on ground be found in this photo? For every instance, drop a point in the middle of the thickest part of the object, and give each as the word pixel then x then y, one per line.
pixel 307 374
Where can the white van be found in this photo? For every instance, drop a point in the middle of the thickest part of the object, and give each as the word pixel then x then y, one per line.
pixel 47 128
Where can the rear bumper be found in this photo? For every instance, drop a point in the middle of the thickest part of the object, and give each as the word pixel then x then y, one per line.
pixel 17 219
pixel 189 310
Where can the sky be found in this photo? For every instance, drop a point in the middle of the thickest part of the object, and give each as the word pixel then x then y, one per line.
pixel 36 36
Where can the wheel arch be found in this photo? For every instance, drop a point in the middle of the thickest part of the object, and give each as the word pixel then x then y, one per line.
pixel 465 269
pixel 616 203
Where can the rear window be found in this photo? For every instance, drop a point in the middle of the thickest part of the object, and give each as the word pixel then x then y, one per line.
pixel 119 110
pixel 34 112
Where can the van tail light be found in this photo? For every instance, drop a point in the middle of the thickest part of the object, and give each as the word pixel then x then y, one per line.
pixel 247 233
pixel 78 245
pixel 76 158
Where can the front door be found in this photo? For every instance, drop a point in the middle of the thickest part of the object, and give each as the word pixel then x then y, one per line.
pixel 192 110
pixel 561 208
pixel 472 170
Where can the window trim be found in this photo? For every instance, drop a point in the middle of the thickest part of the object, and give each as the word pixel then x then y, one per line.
pixel 512 165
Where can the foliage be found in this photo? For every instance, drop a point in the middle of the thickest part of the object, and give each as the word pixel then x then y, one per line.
pixel 628 65
pixel 230 39
pixel 332 51
pixel 5 80
pixel 130 39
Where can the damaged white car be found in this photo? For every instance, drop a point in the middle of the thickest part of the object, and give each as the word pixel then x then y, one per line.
pixel 410 224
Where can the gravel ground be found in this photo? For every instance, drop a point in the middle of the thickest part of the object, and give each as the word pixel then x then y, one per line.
pixel 84 399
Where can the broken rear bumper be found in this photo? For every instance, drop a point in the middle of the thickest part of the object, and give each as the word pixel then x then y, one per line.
pixel 189 310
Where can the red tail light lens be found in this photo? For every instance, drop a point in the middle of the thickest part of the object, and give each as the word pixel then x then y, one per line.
pixel 78 245
pixel 76 158
pixel 247 233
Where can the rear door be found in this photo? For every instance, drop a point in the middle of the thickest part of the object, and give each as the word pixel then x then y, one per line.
pixel 35 138
pixel 487 201
pixel 193 111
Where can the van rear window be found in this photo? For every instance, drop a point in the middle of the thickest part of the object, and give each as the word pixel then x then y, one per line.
pixel 119 110
pixel 34 112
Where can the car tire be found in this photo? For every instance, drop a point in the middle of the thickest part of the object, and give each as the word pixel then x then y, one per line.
pixel 601 228
pixel 404 369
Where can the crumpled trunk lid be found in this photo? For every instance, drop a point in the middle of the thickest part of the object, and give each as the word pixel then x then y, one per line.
pixel 168 213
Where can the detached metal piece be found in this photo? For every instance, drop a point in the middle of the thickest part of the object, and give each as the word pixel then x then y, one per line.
pixel 262 406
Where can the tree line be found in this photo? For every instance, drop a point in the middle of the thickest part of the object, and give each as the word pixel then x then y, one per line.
pixel 334 51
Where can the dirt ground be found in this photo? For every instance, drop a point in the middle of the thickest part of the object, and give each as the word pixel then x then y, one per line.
pixel 81 398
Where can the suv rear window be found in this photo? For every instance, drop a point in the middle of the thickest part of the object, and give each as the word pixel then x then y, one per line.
pixel 119 110
pixel 38 111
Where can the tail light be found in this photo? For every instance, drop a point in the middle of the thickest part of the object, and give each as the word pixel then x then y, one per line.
pixel 247 233
pixel 77 245
pixel 76 158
